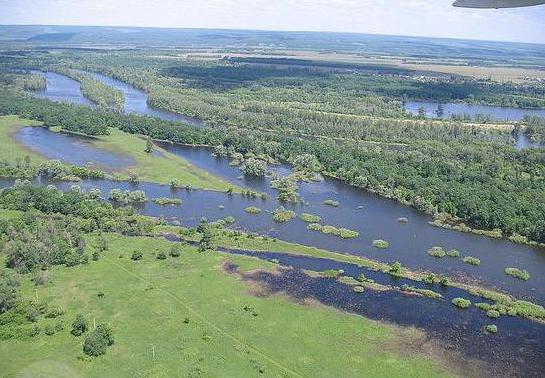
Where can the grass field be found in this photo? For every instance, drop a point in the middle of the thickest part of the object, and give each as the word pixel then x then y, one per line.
pixel 11 148
pixel 160 167
pixel 147 301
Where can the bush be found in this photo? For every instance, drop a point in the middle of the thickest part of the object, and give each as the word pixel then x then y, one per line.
pixel 430 278
pixel 137 255
pixel 167 201
pixel 436 252
pixel 444 281
pixel 453 253
pixel 96 343
pixel 379 243
pixel 331 202
pixel 359 289
pixel 461 302
pixel 491 328
pixel 314 227
pixel 229 219
pixel 49 330
pixel 254 167
pixel 176 250
pixel 310 218
pixel 283 215
pixel 493 314
pixel 79 325
pixel 41 277
pixel 332 273
pixel 518 273
pixel 471 260
pixel 396 268
pixel 252 210
pixel 161 255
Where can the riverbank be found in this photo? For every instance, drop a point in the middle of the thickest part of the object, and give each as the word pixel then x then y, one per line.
pixel 189 307
pixel 158 166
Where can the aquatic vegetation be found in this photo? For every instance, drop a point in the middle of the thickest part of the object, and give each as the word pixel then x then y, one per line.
pixel 314 227
pixel 332 273
pixel 491 328
pixel 471 260
pixel 484 306
pixel 283 215
pixel 493 314
pixel 424 292
pixel 358 289
pixel 461 302
pixel 518 273
pixel 453 253
pixel 252 210
pixel 127 196
pixel 436 252
pixel 379 243
pixel 167 201
pixel 310 218
pixel 229 219
pixel 330 202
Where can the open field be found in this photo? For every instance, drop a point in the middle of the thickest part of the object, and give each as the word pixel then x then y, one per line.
pixel 147 301
pixel 160 166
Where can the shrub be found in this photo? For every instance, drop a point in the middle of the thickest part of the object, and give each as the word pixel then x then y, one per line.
pixel 49 330
pixel 379 243
pixel 54 312
pixel 252 210
pixel 175 250
pixel 396 268
pixel 491 328
pixel 137 255
pixel 461 302
pixel 444 281
pixel 430 278
pixel 424 292
pixel 254 167
pixel 436 252
pixel 314 227
pixel 310 218
pixel 98 340
pixel 517 273
pixel 359 289
pixel 161 255
pixel 229 219
pixel 332 273
pixel 493 314
pixel 471 260
pixel 330 202
pixel 453 253
pixel 283 215
pixel 167 201
pixel 41 277
pixel 79 325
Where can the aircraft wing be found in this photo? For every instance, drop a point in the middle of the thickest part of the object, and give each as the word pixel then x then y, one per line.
pixel 497 3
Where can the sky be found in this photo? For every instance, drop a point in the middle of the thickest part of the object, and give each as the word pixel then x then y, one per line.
pixel 433 18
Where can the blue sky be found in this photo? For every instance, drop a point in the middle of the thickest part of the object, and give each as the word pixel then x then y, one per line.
pixel 436 18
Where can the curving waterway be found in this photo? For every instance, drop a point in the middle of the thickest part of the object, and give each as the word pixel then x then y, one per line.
pixel 520 342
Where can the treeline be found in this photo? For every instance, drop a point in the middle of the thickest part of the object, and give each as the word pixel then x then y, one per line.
pixel 102 95
pixel 489 185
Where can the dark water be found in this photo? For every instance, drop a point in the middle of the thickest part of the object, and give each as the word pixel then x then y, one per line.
pixel 61 88
pixel 496 112
pixel 71 149
pixel 377 220
pixel 518 349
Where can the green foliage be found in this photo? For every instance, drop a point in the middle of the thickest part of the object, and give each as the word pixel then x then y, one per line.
pixel 332 273
pixel 518 273
pixel 424 292
pixel 379 243
pixel 252 210
pixel 254 167
pixel 283 215
pixel 79 325
pixel 137 255
pixel 491 328
pixel 127 197
pixel 161 255
pixel 461 302
pixel 453 253
pixel 307 163
pixel 98 340
pixel 310 218
pixel 167 201
pixel 331 202
pixel 396 268
pixel 437 252
pixel 471 260
pixel 493 314
pixel 175 250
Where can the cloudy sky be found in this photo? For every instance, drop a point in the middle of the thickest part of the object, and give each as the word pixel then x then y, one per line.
pixel 435 18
